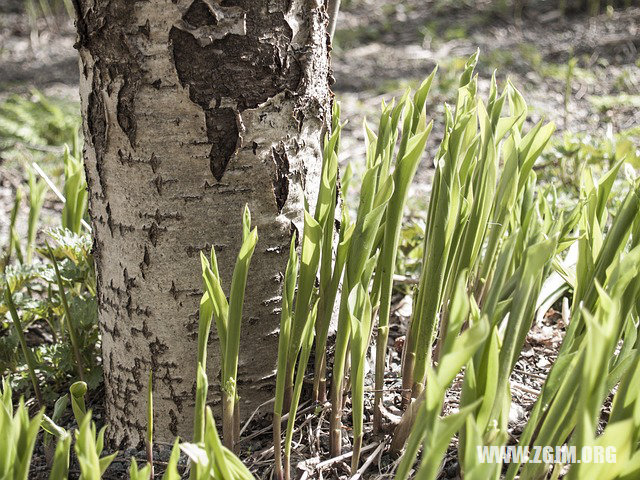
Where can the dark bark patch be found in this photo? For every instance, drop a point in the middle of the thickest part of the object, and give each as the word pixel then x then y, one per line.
pixel 194 250
pixel 145 331
pixel 129 282
pixel 154 162
pixel 160 217
pixel 158 183
pixel 222 132
pixel 145 29
pixel 280 176
pixel 173 290
pixel 173 425
pixel 245 60
pixel 109 218
pixel 199 14
pixel 102 31
pixel 145 263
pixel 97 129
pixel 126 109
pixel 153 232
pixel 97 122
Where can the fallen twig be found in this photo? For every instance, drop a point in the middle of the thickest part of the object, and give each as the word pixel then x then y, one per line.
pixel 368 462
pixel 344 456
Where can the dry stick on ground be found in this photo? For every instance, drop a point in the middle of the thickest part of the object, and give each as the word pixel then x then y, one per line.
pixel 344 456
pixel 266 429
pixel 252 416
pixel 405 280
pixel 263 453
pixel 530 374
pixel 368 462
pixel 525 389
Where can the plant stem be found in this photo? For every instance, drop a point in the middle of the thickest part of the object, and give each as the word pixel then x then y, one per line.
pixel 65 305
pixel 355 458
pixel 320 378
pixel 23 343
pixel 337 384
pixel 149 443
pixel 333 10
pixel 228 420
pixel 381 363
pixel 277 445
pixel 408 362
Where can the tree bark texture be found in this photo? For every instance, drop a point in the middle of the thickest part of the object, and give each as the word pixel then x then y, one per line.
pixel 191 109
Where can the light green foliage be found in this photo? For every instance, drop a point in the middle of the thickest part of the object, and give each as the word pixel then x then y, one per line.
pixel 508 234
pixel 18 433
pixel 330 271
pixel 309 261
pixel 137 473
pixel 88 448
pixel 392 157
pixel 55 285
pixel 228 318
pixel 471 205
pixel 75 191
pixel 359 311
pixel 37 120
pixel 69 320
pixel 14 239
pixel 305 352
pixel 458 349
pixel 37 190
pixel 569 155
pixel 49 424
pixel 214 461
pixel 607 102
pixel 298 323
pixel 60 465
pixel 211 460
pixel 605 282
pixel 413 137
pixel 171 473
pixel 286 317
pixel 78 390
pixel 375 192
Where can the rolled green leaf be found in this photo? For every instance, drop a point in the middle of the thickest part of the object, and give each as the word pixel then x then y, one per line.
pixel 284 341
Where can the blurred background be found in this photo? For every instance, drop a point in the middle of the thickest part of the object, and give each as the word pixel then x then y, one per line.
pixel 575 61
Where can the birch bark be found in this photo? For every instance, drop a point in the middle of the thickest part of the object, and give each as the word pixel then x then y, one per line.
pixel 191 109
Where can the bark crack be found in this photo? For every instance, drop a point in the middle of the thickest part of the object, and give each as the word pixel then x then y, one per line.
pixel 281 175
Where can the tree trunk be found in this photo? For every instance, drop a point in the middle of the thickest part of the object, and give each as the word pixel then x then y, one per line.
pixel 191 109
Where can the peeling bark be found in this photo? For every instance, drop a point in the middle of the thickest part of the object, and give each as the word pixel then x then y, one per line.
pixel 191 109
